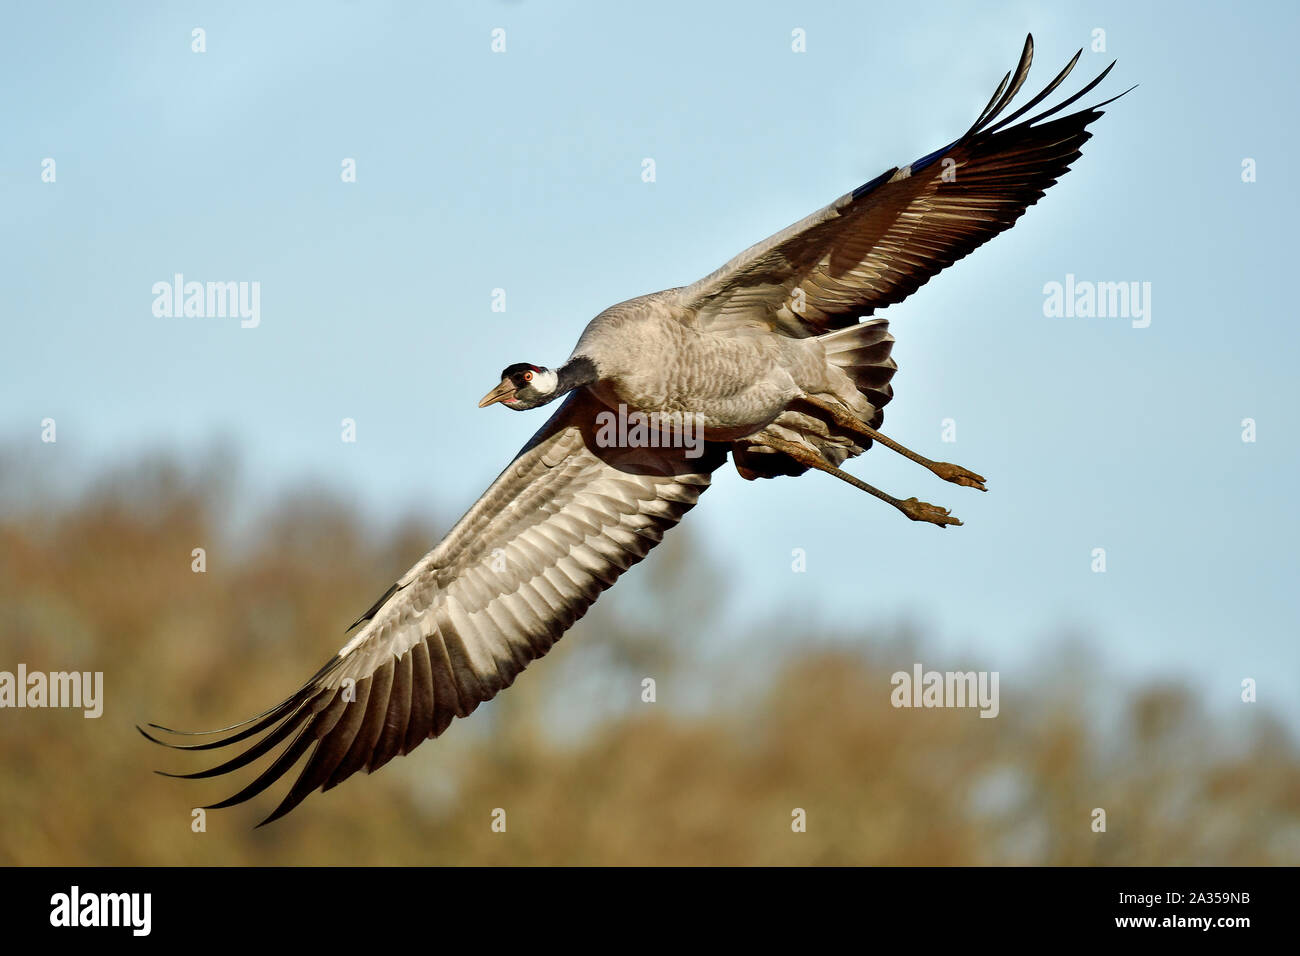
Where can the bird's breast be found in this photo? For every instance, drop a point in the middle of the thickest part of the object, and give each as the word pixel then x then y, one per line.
pixel 730 386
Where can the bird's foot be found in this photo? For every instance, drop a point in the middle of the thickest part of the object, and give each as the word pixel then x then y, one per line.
pixel 922 511
pixel 958 475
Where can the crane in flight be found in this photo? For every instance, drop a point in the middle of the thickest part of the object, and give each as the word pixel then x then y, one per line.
pixel 773 359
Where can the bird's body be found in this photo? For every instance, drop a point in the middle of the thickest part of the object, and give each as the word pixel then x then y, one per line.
pixel 769 356
pixel 652 358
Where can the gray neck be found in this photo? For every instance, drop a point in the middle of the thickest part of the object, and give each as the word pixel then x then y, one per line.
pixel 575 373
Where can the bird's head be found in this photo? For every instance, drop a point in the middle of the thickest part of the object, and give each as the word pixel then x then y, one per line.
pixel 524 386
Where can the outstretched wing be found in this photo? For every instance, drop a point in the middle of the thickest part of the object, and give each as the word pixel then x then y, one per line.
pixel 556 528
pixel 878 244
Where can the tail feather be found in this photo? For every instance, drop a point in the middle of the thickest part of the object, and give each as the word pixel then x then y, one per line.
pixel 863 352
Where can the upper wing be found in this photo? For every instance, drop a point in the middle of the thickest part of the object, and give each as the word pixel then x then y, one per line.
pixel 880 243
pixel 556 528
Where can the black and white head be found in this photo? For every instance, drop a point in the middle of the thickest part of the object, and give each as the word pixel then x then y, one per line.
pixel 525 386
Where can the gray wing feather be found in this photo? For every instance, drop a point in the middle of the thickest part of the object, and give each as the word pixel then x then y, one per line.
pixel 557 527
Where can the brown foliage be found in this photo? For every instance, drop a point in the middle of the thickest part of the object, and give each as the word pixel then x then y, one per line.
pixel 104 583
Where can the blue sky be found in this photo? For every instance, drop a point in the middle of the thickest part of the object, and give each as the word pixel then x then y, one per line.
pixel 522 171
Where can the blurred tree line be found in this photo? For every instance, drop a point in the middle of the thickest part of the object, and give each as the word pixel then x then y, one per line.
pixel 587 772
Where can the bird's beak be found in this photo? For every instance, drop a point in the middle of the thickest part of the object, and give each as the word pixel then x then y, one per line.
pixel 498 394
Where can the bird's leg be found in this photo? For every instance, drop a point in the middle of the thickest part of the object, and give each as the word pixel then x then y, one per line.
pixel 851 423
pixel 916 510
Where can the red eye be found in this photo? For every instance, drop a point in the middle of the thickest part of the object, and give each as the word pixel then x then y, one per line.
pixel 528 376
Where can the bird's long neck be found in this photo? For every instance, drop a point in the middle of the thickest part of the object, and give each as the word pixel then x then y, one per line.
pixel 575 373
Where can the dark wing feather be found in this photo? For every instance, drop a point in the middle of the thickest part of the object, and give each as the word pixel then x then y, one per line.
pixel 558 526
pixel 878 244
